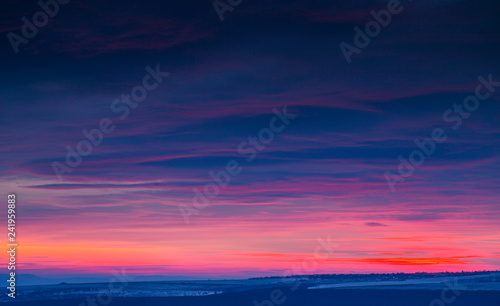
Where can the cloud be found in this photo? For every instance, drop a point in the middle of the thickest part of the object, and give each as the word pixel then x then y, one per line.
pixel 375 224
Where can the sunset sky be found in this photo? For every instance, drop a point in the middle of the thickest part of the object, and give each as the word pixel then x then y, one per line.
pixel 322 176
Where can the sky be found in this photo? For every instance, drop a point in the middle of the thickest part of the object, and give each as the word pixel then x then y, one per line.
pixel 314 198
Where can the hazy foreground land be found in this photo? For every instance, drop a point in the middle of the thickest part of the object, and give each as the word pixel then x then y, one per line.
pixel 457 289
